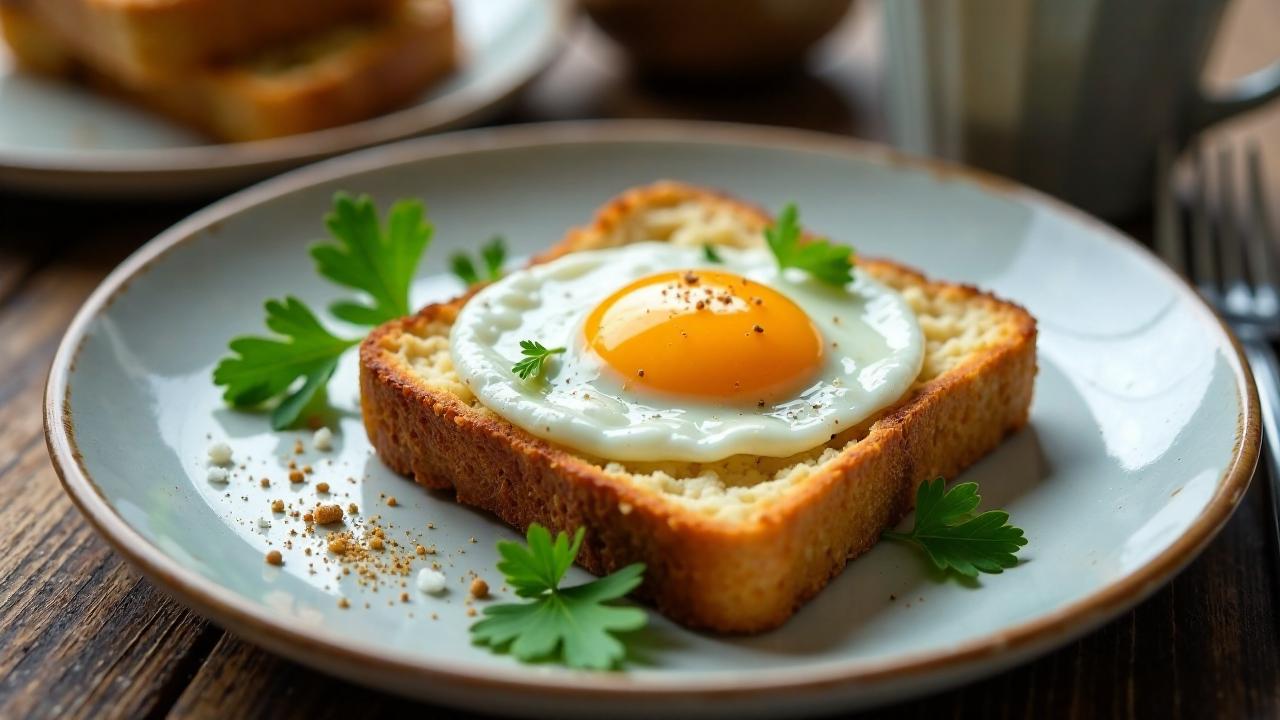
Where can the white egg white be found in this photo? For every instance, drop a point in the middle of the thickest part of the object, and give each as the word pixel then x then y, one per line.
pixel 874 351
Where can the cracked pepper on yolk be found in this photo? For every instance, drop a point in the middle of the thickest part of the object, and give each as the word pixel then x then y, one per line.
pixel 705 333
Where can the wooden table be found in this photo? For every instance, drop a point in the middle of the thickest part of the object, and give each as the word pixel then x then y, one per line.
pixel 83 635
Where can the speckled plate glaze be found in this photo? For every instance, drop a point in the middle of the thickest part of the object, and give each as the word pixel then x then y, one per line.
pixel 1143 436
pixel 59 138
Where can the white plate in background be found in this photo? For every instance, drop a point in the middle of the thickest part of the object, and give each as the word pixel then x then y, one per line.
pixel 62 138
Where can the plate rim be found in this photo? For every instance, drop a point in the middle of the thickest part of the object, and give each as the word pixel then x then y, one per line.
pixel 389 669
pixel 426 117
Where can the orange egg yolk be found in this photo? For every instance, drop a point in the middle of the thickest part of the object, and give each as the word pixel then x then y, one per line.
pixel 705 333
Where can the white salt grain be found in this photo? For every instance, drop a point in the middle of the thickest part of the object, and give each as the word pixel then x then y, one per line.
pixel 220 454
pixel 323 439
pixel 431 581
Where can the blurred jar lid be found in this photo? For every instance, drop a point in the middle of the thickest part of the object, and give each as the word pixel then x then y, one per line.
pixel 715 39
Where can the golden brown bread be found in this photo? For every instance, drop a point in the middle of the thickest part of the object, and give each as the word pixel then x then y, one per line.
pixel 142 42
pixel 734 546
pixel 31 44
pixel 337 76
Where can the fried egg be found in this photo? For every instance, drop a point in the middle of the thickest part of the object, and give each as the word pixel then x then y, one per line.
pixel 669 356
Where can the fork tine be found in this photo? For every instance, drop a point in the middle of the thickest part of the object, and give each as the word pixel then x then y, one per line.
pixel 1261 239
pixel 1204 265
pixel 1169 243
pixel 1236 294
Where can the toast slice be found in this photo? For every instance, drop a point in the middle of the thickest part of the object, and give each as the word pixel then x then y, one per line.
pixel 144 42
pixel 30 44
pixel 338 76
pixel 736 545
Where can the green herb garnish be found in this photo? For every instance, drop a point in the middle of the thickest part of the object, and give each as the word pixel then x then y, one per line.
pixel 535 358
pixel 492 255
pixel 954 538
pixel 829 263
pixel 710 255
pixel 264 368
pixel 367 256
pixel 573 625
pixel 377 260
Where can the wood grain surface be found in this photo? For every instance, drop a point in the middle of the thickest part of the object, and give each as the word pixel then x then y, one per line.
pixel 82 635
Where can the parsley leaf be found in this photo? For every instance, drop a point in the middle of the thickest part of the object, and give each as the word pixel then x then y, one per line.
pixel 462 266
pixel 264 368
pixel 536 355
pixel 492 254
pixel 831 264
pixel 953 538
pixel 573 625
pixel 371 257
pixel 709 253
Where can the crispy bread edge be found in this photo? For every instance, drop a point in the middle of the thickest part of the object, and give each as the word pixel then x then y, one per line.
pixel 410 52
pixel 141 44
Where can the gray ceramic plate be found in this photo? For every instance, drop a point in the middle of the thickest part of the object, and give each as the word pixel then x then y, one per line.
pixel 1143 436
pixel 57 137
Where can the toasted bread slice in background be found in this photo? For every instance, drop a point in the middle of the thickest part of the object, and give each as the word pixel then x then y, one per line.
pixel 337 76
pixel 31 44
pixel 736 545
pixel 143 42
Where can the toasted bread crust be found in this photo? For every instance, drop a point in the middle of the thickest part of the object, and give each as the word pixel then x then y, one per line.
pixel 705 572
pixel 382 65
pixel 404 55
pixel 142 42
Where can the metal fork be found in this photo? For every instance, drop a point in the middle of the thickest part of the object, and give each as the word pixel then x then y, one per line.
pixel 1234 262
